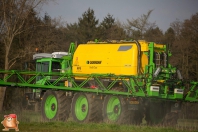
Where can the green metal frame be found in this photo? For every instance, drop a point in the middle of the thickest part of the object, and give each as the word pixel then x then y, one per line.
pixel 192 94
pixel 134 85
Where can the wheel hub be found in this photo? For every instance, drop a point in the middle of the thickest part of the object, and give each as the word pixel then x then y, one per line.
pixel 83 108
pixel 53 107
pixel 116 109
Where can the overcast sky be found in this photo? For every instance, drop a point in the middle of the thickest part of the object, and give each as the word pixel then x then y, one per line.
pixel 164 11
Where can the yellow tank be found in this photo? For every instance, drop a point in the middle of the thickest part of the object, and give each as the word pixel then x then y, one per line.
pixel 109 58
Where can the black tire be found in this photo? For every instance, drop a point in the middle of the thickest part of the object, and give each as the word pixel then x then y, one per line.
pixel 85 108
pixel 55 106
pixel 156 111
pixel 115 110
pixel 136 117
pixel 170 119
pixel 37 106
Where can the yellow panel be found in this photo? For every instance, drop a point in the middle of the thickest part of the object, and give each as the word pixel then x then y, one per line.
pixel 118 59
pixel 144 45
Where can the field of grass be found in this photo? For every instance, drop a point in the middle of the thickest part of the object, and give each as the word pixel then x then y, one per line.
pixel 91 127
pixel 32 122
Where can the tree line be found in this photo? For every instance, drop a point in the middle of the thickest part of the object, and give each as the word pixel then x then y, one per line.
pixel 22 30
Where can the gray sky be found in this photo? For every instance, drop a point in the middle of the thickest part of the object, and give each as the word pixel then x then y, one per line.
pixel 164 11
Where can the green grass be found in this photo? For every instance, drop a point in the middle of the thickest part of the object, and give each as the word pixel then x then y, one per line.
pixel 91 127
pixel 30 121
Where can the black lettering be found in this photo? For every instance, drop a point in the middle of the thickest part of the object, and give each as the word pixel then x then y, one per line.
pixel 95 62
pixel 180 90
pixel 155 88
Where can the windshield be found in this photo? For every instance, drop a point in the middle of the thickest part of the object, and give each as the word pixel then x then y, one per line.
pixel 42 67
pixel 46 67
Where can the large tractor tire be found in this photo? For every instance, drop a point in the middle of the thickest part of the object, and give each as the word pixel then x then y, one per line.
pixel 85 108
pixel 170 119
pixel 55 106
pixel 156 111
pixel 115 110
pixel 136 117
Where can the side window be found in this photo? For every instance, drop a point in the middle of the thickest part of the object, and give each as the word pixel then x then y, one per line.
pixel 56 66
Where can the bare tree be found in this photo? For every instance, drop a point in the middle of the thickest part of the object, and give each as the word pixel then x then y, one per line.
pixel 154 35
pixel 177 27
pixel 185 46
pixel 14 15
pixel 140 25
pixel 50 37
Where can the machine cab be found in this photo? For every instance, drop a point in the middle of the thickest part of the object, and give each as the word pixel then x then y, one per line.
pixel 45 64
pixel 48 63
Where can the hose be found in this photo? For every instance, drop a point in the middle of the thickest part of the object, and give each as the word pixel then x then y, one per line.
pixel 139 56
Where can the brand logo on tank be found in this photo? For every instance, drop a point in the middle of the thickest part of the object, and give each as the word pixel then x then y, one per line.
pixel 94 62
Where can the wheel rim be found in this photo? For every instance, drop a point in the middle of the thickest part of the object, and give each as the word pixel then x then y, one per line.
pixel 51 107
pixel 113 109
pixel 81 108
